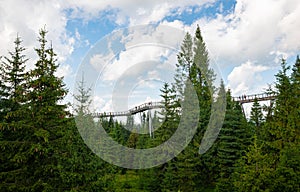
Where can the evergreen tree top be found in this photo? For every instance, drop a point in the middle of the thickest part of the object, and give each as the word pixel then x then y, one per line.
pixel 198 33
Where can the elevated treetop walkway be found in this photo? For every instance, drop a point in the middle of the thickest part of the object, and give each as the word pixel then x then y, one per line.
pixel 251 98
pixel 138 109
pixel 156 105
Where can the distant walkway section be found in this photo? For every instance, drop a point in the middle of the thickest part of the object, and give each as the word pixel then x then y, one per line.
pixel 251 98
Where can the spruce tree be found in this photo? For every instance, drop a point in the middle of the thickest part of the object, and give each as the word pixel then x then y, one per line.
pixel 183 67
pixel 280 129
pixel 169 123
pixel 284 131
pixel 11 97
pixel 4 101
pixel 193 67
pixel 253 170
pixel 295 80
pixel 83 166
pixel 82 98
pixel 46 117
pixel 256 116
pixel 209 143
pixel 233 141
pixel 273 163
pixel 40 123
pixel 257 120
pixel 202 77
pixel 82 109
pixel 168 116
pixel 13 77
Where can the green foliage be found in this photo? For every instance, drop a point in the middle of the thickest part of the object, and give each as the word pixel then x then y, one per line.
pixel 41 149
pixel 233 141
pixel 44 148
pixel 272 162
pixel 168 116
pixel 13 76
pixel 82 98
pixel 13 153
pixel 253 172
pixel 256 115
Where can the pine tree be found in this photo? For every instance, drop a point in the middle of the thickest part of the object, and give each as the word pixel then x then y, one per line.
pixel 39 124
pixel 233 141
pixel 209 143
pixel 169 119
pixel 202 78
pixel 295 80
pixel 168 115
pixel 193 67
pixel 47 118
pixel 203 75
pixel 82 98
pixel 278 131
pixel 256 116
pixel 11 97
pixel 282 128
pixel 88 166
pixel 169 182
pixel 273 163
pixel 13 77
pixel 183 67
pixel 3 94
pixel 257 119
pixel 253 170
pixel 129 123
pixel 4 101
pixel 284 131
pixel 82 109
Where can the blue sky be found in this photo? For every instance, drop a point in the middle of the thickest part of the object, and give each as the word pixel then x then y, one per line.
pixel 245 39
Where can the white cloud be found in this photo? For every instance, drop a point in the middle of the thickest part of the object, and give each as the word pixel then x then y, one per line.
pixel 146 58
pixel 154 74
pixel 101 105
pixel 100 61
pixel 64 70
pixel 246 79
pixel 136 12
pixel 254 30
pixel 142 49
pixel 133 64
pixel 261 31
pixel 26 18
pixel 279 56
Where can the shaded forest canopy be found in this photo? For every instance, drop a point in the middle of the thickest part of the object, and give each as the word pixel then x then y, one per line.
pixel 41 148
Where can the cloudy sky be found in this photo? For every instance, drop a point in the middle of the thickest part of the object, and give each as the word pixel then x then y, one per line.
pixel 245 39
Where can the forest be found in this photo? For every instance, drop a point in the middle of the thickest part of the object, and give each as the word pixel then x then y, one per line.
pixel 41 148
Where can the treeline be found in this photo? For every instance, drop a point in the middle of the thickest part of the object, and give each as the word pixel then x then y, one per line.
pixel 41 148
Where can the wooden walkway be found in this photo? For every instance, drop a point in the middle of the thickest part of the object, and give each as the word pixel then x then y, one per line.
pixel 156 105
pixel 132 111
pixel 251 98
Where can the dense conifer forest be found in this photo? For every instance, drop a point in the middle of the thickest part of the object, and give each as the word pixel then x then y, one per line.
pixel 41 148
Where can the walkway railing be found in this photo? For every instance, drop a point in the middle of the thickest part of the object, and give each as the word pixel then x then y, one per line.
pixel 251 98
pixel 155 105
pixel 132 111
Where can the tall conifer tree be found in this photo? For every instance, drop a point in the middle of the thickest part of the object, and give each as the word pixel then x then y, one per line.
pixel 233 141
pixel 12 89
